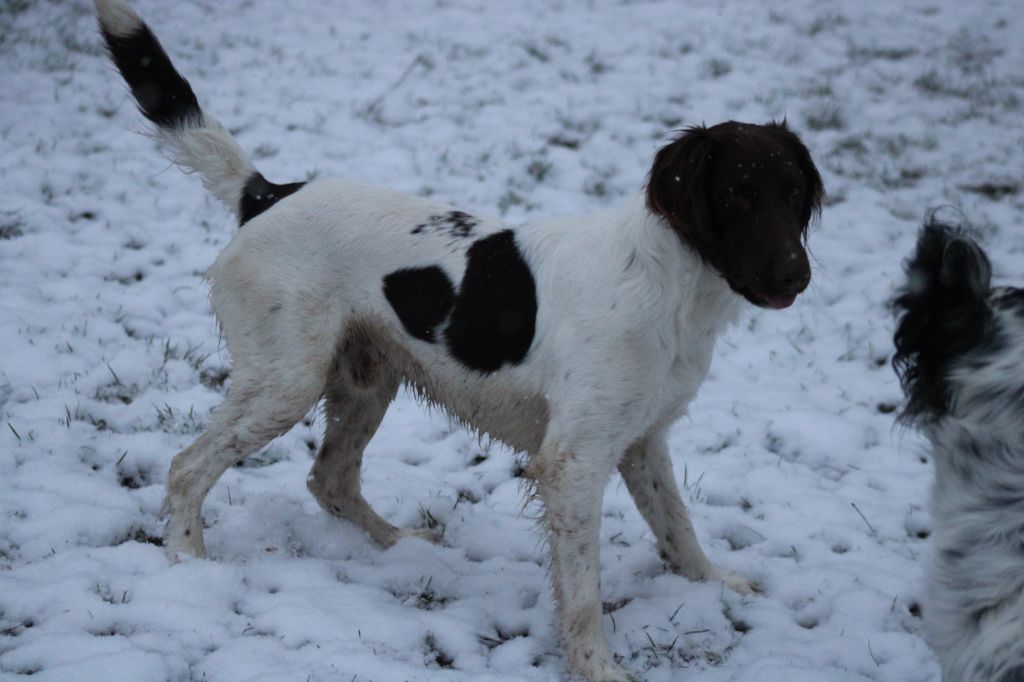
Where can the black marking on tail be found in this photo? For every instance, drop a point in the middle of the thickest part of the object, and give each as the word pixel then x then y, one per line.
pixel 259 194
pixel 163 96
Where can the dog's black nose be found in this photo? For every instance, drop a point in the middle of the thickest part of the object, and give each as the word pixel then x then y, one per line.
pixel 793 273
pixel 795 282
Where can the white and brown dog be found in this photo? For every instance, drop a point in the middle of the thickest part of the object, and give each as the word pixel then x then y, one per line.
pixel 960 356
pixel 576 341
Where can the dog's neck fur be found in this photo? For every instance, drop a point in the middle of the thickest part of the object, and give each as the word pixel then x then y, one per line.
pixel 624 273
pixel 706 304
pixel 639 251
pixel 692 303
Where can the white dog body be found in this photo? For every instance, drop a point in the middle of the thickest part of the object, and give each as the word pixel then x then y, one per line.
pixel 576 341
pixel 626 320
pixel 625 328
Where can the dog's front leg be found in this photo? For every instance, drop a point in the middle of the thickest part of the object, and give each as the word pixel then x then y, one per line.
pixel 647 471
pixel 570 484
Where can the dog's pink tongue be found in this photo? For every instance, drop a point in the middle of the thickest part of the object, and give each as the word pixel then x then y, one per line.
pixel 780 302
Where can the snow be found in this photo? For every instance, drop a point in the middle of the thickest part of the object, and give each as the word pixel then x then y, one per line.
pixel 792 466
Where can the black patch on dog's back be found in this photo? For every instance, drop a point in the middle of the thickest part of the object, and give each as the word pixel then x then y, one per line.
pixel 495 311
pixel 422 298
pixel 163 96
pixel 259 194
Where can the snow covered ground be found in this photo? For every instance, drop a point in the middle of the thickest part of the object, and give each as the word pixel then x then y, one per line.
pixel 794 472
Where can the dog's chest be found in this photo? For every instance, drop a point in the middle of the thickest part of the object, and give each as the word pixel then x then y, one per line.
pixel 689 369
pixel 695 329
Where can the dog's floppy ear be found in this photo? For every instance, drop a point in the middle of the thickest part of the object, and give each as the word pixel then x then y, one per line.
pixel 677 190
pixel 815 190
pixel 966 268
pixel 944 314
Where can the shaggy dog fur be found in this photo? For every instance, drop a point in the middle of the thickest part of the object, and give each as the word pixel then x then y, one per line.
pixel 960 356
pixel 576 341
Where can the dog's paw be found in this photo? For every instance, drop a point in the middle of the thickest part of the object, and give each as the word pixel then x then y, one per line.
pixel 431 535
pixel 183 539
pixel 601 669
pixel 590 660
pixel 386 535
pixel 707 572
pixel 734 581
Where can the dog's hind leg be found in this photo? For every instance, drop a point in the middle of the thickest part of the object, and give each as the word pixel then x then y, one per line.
pixel 647 471
pixel 257 410
pixel 359 390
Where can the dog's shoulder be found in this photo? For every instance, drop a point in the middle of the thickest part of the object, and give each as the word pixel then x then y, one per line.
pixel 619 289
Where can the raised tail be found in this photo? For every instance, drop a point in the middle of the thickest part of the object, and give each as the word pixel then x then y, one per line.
pixel 943 314
pixel 197 141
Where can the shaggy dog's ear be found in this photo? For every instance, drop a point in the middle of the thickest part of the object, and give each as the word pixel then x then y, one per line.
pixel 965 268
pixel 677 190
pixel 944 314
pixel 815 190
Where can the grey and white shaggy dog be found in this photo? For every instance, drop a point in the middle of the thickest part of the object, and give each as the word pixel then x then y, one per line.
pixel 960 358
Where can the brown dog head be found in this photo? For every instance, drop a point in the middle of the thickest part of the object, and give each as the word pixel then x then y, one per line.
pixel 742 195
